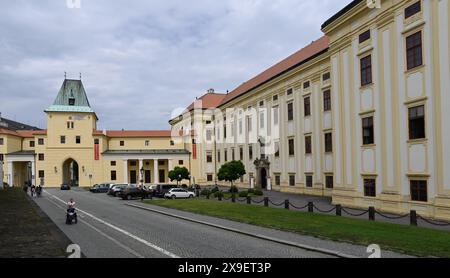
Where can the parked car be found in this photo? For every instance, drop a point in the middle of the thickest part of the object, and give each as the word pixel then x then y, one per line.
pixel 179 193
pixel 100 188
pixel 113 191
pixel 134 192
pixel 160 190
pixel 65 186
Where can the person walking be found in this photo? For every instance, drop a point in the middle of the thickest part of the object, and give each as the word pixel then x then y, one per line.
pixel 33 190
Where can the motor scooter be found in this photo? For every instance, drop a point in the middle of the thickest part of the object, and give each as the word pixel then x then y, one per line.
pixel 71 216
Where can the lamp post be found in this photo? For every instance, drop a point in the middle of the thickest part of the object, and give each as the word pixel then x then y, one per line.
pixel 178 180
pixel 142 183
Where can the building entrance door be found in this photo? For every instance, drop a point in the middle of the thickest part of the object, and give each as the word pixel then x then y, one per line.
pixel 133 177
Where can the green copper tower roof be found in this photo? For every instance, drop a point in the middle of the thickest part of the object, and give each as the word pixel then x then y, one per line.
pixel 71 98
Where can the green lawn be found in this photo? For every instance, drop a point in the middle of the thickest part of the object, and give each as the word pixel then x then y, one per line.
pixel 401 238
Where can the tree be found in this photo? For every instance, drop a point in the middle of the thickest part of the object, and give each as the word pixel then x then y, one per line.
pixel 179 174
pixel 231 171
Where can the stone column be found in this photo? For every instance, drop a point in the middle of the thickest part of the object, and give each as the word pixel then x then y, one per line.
pixel 33 173
pixel 11 173
pixel 125 171
pixel 269 184
pixel 170 164
pixel 155 170
pixel 141 164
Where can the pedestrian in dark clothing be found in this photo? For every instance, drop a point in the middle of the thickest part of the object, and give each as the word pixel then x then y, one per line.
pixel 33 190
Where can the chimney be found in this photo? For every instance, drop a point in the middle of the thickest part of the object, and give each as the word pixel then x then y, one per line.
pixel 211 91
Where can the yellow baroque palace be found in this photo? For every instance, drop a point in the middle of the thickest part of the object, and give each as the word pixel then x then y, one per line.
pixel 357 115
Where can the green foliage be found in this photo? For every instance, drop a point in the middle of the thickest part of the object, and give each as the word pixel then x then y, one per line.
pixel 234 189
pixel 178 174
pixel 215 189
pixel 258 192
pixel 251 191
pixel 205 192
pixel 231 171
pixel 243 194
pixel 218 193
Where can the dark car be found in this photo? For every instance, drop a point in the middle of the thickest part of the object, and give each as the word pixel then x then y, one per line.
pixel 100 188
pixel 65 186
pixel 134 192
pixel 161 189
pixel 114 190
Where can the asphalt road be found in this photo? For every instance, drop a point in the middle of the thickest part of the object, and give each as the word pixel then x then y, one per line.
pixel 107 228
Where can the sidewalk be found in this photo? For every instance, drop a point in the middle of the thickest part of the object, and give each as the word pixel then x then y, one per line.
pixel 299 203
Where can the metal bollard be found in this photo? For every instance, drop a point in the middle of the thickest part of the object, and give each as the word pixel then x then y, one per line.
pixel 371 213
pixel 338 210
pixel 266 201
pixel 286 204
pixel 220 197
pixel 413 218
pixel 310 207
pixel 249 200
pixel 233 198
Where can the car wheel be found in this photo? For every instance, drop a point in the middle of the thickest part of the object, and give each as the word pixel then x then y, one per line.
pixel 191 196
pixel 129 197
pixel 174 197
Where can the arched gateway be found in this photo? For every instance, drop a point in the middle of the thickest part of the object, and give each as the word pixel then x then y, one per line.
pixel 70 173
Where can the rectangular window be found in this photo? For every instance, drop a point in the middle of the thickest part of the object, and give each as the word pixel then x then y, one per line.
pixel 327 100
pixel 277 180
pixel 276 116
pixel 307 106
pixel 308 144
pixel 328 142
pixel 306 85
pixel 366 70
pixel 241 153
pixel 292 180
pixel 419 191
pixel 113 163
pixel 40 141
pixel 172 143
pixel 309 181
pixel 290 108
pixel 329 182
pixel 2 141
pixel 289 92
pixel 413 9
pixel 369 188
pixel 133 163
pixel 225 154
pixel 364 36
pixel 41 157
pixel 31 144
pixel 414 50
pixel 113 175
pixel 209 158
pixel 224 130
pixel 275 98
pixel 367 129
pixel 71 101
pixel 180 162
pixel 277 149
pixel 326 76
pixel 209 178
pixel 250 152
pixel 417 122
pixel 122 143
pixel 161 163
pixel 62 139
pixel 1 157
pixel 233 157
pixel 291 144
pixel 249 124
pixel 96 142
pixel 147 143
pixel 261 103
pixel 41 174
pixel 218 156
pixel 78 139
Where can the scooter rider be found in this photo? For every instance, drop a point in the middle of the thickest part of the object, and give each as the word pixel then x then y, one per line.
pixel 71 209
pixel 71 204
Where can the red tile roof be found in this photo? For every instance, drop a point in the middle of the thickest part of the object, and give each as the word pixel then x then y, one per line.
pixel 135 133
pixel 301 56
pixel 209 100
pixel 23 133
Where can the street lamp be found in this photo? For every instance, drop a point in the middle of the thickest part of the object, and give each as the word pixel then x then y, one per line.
pixel 178 180
pixel 142 177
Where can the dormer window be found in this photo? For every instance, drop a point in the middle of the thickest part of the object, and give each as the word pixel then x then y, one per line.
pixel 71 101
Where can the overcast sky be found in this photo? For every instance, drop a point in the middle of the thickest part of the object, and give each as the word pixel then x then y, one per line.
pixel 142 59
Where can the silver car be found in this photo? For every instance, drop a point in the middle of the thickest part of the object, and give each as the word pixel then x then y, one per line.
pixel 179 193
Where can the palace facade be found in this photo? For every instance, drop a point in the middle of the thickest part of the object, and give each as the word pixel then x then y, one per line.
pixel 357 115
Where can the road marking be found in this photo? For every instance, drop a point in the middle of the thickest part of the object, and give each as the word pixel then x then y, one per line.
pixel 131 251
pixel 151 245
pixel 263 237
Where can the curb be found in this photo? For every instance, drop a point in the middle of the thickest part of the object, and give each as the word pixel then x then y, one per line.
pixel 280 241
pixel 54 230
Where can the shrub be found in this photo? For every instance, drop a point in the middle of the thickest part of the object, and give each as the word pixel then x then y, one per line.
pixel 258 192
pixel 243 194
pixel 234 189
pixel 205 192
pixel 215 189
pixel 184 186
pixel 251 191
pixel 218 193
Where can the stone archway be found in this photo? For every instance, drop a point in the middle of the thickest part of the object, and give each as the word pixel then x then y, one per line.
pixel 262 172
pixel 71 173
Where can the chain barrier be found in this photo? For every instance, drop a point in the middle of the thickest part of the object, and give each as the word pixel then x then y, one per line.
pixel 355 214
pixel 277 205
pixel 392 217
pixel 300 208
pixel 441 224
pixel 324 211
pixel 241 200
pixel 257 202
